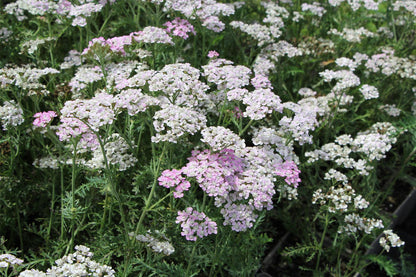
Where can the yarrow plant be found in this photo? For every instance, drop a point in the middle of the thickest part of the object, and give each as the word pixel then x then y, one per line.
pixel 179 138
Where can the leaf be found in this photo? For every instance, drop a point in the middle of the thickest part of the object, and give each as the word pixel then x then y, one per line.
pixel 299 251
pixel 385 264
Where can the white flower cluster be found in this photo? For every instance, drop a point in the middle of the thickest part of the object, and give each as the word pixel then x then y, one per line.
pixel 265 34
pixel 376 141
pixel 96 112
pixel 206 11
pixel 76 264
pixel 259 32
pixel 47 162
pixel 134 101
pixel 151 34
pixel 356 223
pixel 306 92
pixel 388 64
pixel 225 75
pixel 118 72
pixel 345 79
pixel 77 13
pixel 369 92
pixel 342 199
pixel 263 66
pixel 390 109
pixel 372 144
pixel 333 174
pixel 5 34
pixel 346 62
pixel 73 59
pixel 314 8
pixel 172 122
pixel 275 138
pixel 304 120
pixel 7 260
pixel 279 49
pixel 157 245
pixel 180 84
pixel 353 35
pixel 137 80
pixel 32 45
pixel 11 114
pixel 260 103
pixel 275 14
pixel 339 198
pixel 356 4
pixel 26 78
pixel 408 5
pixel 316 46
pixel 84 76
pixel 218 138
pixel 389 240
pixel 116 150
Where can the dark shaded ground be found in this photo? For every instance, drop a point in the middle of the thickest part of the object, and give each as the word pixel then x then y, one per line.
pixel 401 206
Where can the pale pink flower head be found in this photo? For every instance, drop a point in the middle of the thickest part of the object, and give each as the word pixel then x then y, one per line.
pixel 43 118
pixel 213 54
pixel 174 178
pixel 195 224
pixel 179 27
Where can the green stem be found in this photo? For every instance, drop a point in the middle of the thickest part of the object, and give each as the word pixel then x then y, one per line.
pixel 19 226
pixel 104 213
pixel 73 179
pixel 146 207
pixel 321 243
pixel 191 259
pixel 149 198
pixel 246 127
pixel 52 211
pixel 355 257
pixel 161 200
pixel 62 204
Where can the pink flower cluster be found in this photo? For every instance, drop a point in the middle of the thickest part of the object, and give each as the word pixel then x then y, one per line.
pixel 95 112
pixel 115 44
pixel 241 184
pixel 213 54
pixel 149 34
pixel 195 224
pixel 289 170
pixel 43 118
pixel 179 27
pixel 174 178
pixel 216 173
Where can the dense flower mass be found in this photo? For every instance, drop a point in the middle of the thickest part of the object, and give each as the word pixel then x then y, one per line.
pixel 78 263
